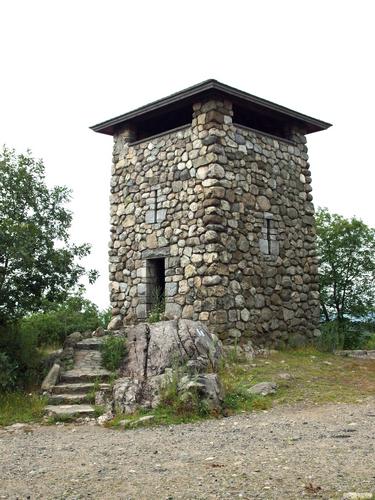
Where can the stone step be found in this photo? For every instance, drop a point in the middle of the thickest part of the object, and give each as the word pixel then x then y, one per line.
pixel 78 388
pixel 59 399
pixel 79 376
pixel 90 344
pixel 70 410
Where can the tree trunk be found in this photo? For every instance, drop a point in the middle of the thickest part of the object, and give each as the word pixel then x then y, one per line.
pixel 325 312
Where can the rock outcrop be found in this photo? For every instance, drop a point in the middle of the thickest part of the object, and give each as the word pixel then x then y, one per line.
pixel 157 353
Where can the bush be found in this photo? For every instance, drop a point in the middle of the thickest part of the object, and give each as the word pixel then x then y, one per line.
pixel 158 307
pixel 21 352
pixel 58 321
pixel 113 350
pixel 105 317
pixel 182 399
pixel 8 373
pixel 332 337
pixel 20 341
pixel 337 335
pixel 370 344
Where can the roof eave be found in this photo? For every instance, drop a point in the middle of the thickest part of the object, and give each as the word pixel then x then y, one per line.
pixel 311 124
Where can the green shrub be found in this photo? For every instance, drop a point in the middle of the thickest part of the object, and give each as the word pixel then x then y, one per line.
pixel 183 401
pixel 158 307
pixel 59 320
pixel 21 351
pixel 331 338
pixel 8 373
pixel 105 317
pixel 370 344
pixel 355 335
pixel 337 335
pixel 113 350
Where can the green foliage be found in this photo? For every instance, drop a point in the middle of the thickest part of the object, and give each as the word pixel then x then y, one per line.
pixel 370 343
pixel 8 372
pixel 158 307
pixel 113 350
pixel 98 410
pixel 239 399
pixel 182 400
pixel 20 407
pixel 162 415
pixel 57 321
pixel 92 392
pixel 338 335
pixel 37 261
pixel 357 334
pixel 105 317
pixel 234 355
pixel 332 337
pixel 21 350
pixel 66 418
pixel 347 266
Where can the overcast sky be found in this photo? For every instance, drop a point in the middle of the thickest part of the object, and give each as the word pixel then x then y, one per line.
pixel 66 65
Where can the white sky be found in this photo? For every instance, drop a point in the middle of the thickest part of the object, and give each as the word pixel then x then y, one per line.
pixel 66 65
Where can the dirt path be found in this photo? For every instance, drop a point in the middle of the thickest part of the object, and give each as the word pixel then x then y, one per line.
pixel 268 455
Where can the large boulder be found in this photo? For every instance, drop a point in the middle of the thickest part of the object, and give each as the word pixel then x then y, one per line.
pixel 160 351
pixel 154 347
pixel 131 394
pixel 115 323
pixel 72 339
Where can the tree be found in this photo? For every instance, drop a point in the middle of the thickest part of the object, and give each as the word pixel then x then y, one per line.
pixel 37 261
pixel 346 249
pixel 60 319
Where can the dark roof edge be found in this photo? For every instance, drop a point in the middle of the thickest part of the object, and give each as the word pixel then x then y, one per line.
pixel 202 87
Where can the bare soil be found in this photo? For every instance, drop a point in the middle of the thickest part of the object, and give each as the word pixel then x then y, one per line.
pixel 284 453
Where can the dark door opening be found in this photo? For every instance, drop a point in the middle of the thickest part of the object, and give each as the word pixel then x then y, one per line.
pixel 156 284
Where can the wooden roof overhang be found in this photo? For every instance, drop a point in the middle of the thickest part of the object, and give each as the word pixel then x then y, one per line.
pixel 182 101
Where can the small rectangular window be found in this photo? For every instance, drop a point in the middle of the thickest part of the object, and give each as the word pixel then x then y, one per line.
pixel 155 214
pixel 268 242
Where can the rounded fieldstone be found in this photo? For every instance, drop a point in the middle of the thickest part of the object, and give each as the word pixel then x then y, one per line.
pixel 263 203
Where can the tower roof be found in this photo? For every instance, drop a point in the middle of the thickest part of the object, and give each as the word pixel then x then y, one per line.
pixel 181 101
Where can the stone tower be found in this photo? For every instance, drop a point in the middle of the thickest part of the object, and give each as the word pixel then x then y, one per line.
pixel 211 209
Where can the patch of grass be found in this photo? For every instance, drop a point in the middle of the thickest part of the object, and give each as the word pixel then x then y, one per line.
pixel 98 410
pixel 237 399
pixel 113 350
pixel 233 355
pixel 316 377
pixel 182 399
pixel 63 418
pixel 92 392
pixel 162 416
pixel 20 407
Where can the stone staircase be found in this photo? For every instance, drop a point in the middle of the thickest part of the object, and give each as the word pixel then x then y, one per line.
pixel 74 394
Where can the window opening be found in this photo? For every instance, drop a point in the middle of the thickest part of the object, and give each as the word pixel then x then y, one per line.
pixel 164 122
pixel 260 121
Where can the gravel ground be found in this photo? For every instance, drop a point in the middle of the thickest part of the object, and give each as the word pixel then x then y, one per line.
pixel 269 455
